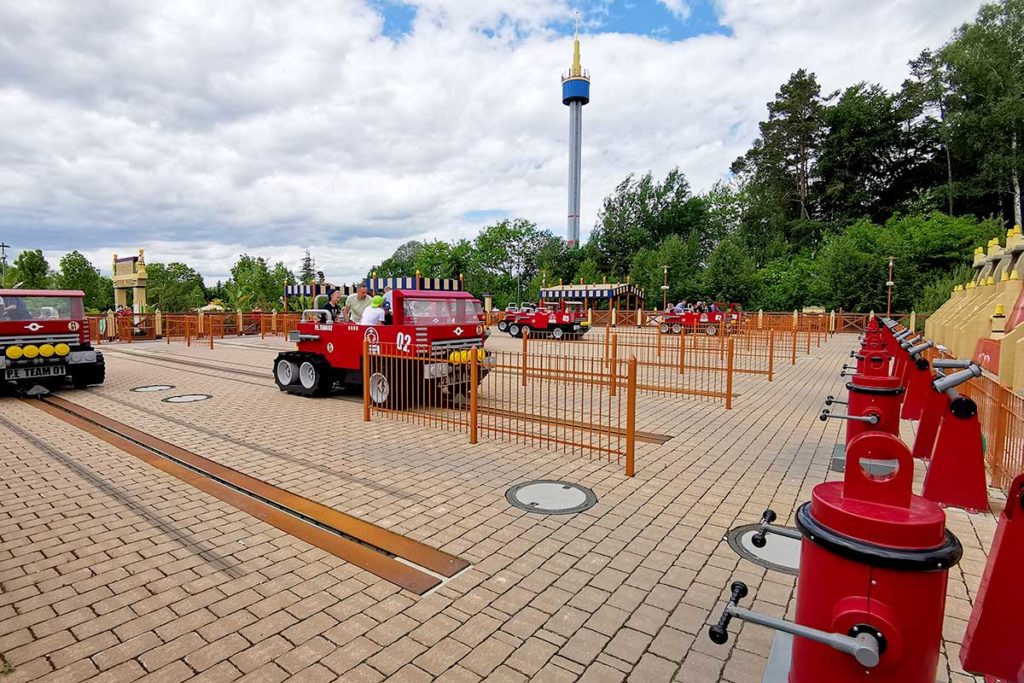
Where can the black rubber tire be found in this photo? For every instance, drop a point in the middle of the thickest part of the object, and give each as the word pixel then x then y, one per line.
pixel 503 326
pixel 93 374
pixel 514 330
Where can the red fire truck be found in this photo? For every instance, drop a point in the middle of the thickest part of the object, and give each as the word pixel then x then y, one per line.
pixel 567 321
pixel 441 325
pixel 44 339
pixel 726 316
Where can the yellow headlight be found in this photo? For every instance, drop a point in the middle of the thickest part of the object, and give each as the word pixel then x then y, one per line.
pixel 46 350
pixel 30 351
pixel 62 349
pixel 454 358
pixel 481 354
pixel 464 356
pixel 13 352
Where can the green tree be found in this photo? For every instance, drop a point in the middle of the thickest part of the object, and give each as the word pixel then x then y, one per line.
pixel 77 272
pixel 33 271
pixel 402 263
pixel 782 159
pixel 641 212
pixel 255 286
pixel 985 65
pixel 731 274
pixel 174 287
pixel 506 254
pixel 307 269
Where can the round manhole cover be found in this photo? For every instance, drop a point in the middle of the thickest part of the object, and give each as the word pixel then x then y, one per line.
pixel 551 497
pixel 187 398
pixel 779 553
pixel 153 387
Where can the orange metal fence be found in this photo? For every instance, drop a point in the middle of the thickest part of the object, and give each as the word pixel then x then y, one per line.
pixel 575 405
pixel 1001 413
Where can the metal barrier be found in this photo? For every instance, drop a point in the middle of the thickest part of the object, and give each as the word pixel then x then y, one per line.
pixel 135 327
pixel 575 405
pixel 1001 413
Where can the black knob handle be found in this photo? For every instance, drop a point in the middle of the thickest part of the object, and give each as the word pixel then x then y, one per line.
pixel 768 517
pixel 719 633
pixel 824 415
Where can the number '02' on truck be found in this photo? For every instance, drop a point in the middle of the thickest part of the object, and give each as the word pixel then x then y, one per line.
pixel 426 343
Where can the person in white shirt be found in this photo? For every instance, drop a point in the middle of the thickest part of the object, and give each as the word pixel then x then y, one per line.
pixel 374 313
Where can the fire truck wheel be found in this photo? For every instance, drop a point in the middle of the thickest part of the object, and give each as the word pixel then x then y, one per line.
pixel 503 326
pixel 314 378
pixel 711 330
pixel 514 330
pixel 286 373
pixel 94 374
pixel 384 392
pixel 558 333
pixel 677 329
pixel 664 328
pixel 527 330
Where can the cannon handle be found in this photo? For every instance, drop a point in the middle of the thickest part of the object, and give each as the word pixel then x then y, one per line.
pixel 719 633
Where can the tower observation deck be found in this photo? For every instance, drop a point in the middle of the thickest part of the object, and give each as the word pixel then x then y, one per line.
pixel 575 93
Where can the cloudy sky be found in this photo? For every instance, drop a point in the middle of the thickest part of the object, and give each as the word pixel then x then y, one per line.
pixel 199 129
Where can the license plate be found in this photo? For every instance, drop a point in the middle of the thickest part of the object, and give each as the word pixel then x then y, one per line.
pixel 34 372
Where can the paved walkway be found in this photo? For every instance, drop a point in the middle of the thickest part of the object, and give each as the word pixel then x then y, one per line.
pixel 112 571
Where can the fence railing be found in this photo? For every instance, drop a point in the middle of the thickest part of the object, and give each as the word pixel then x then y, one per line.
pixel 1001 413
pixel 149 326
pixel 573 405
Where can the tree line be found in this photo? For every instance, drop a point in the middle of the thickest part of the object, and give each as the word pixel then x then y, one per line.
pixel 834 185
pixel 170 287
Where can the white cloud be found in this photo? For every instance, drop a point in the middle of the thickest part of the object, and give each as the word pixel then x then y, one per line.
pixel 678 8
pixel 199 130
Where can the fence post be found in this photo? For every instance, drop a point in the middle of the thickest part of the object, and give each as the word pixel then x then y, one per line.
pixel 682 352
pixel 997 445
pixel 613 365
pixel 728 375
pixel 771 355
pixel 631 418
pixel 808 338
pixel 659 343
pixel 366 380
pixel 793 359
pixel 526 334
pixel 474 392
pixel 188 332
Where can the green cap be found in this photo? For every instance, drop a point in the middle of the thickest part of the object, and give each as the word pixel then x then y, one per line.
pixel 377 301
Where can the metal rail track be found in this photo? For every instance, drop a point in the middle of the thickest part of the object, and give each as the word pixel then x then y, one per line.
pixel 361 543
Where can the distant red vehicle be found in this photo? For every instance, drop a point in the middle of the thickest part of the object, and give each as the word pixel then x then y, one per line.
pixel 727 316
pixel 441 325
pixel 44 339
pixel 565 321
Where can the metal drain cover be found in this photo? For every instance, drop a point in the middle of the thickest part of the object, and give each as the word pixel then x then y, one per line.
pixel 779 553
pixel 187 398
pixel 153 387
pixel 548 497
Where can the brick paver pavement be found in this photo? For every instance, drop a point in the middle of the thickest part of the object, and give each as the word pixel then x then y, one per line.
pixel 113 571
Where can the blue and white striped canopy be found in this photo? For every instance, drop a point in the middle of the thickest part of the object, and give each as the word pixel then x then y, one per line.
pixel 377 284
pixel 607 291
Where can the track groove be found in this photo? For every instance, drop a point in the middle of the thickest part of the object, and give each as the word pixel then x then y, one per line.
pixel 353 540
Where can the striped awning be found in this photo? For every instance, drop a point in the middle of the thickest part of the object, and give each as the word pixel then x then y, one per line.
pixel 377 284
pixel 605 291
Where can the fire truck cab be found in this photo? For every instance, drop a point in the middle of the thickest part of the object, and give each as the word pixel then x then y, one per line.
pixel 44 340
pixel 726 317
pixel 441 325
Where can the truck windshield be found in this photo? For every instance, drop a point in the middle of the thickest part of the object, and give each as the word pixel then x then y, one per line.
pixel 440 311
pixel 40 308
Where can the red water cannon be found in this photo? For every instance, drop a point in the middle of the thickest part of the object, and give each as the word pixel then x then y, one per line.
pixel 956 475
pixel 873 405
pixel 994 643
pixel 916 374
pixel 869 362
pixel 874 563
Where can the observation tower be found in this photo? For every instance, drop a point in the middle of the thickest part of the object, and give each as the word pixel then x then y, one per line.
pixel 575 93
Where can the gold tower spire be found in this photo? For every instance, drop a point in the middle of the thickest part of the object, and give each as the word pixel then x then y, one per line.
pixel 577 70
